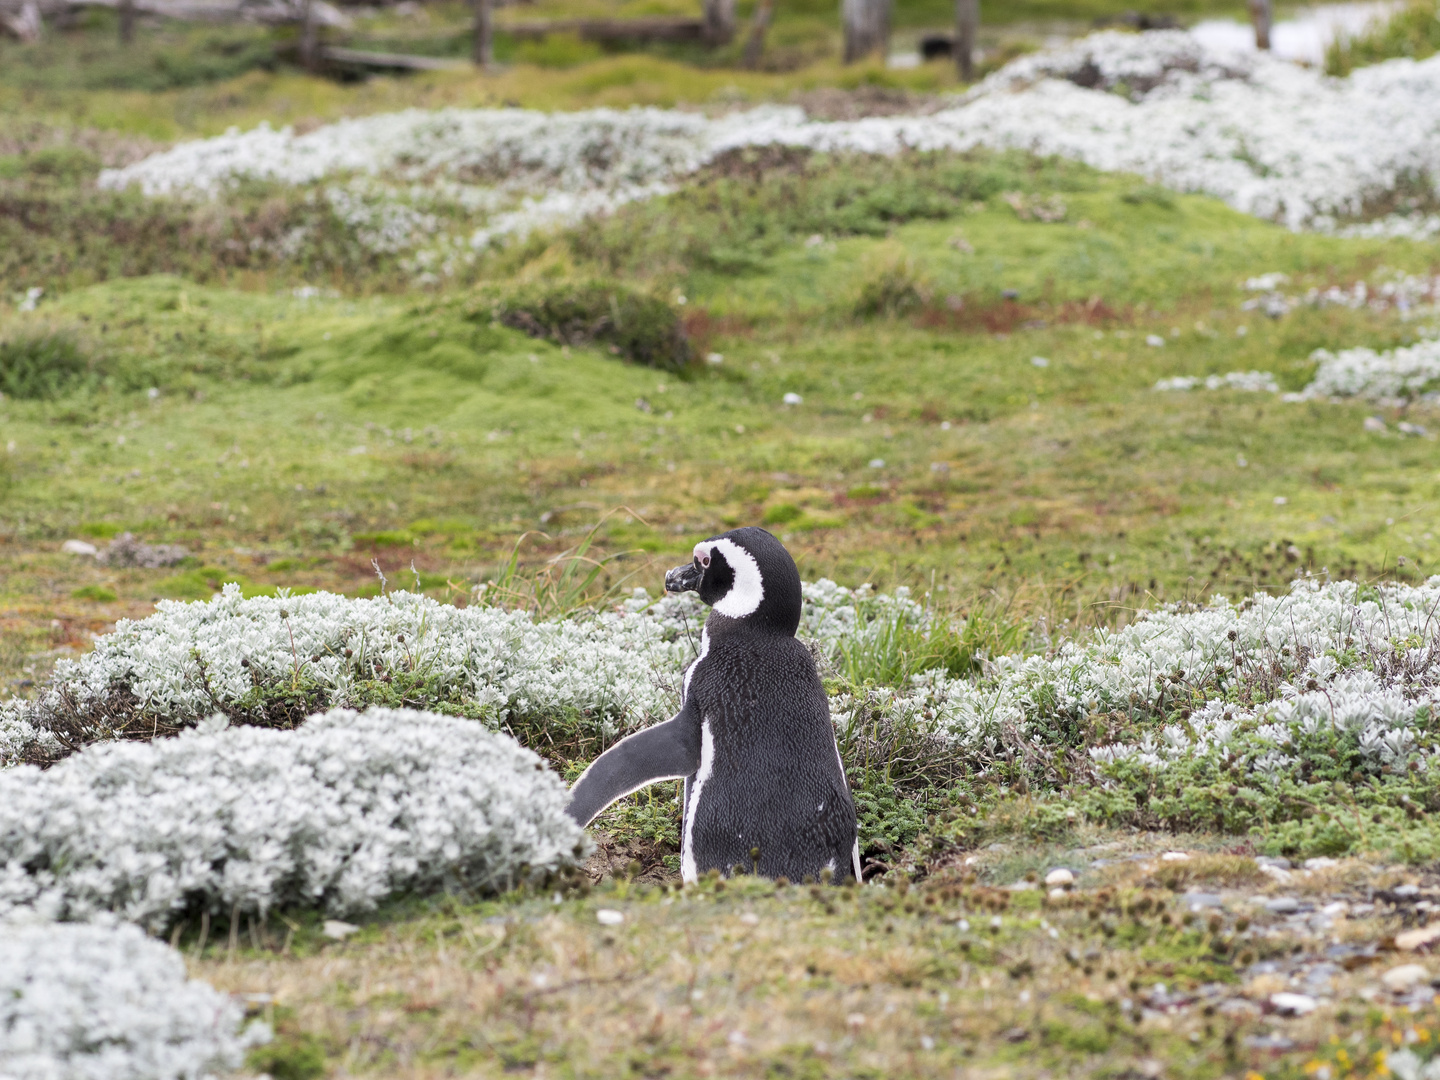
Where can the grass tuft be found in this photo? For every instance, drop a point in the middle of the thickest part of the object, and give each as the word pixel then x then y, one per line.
pixel 641 327
pixel 42 363
pixel 1413 31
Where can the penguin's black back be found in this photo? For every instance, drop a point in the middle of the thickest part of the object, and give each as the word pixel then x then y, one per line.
pixel 775 780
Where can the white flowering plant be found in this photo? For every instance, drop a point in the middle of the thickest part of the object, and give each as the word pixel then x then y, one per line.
pixel 1273 716
pixel 341 813
pixel 272 661
pixel 1113 721
pixel 105 1002
pixel 1282 142
pixel 1395 376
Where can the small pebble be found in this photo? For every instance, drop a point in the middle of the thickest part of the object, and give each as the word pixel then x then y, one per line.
pixel 609 917
pixel 1288 1004
pixel 1059 877
pixel 1405 977
pixel 1283 905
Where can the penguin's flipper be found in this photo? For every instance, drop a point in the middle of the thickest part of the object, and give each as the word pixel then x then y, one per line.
pixel 668 751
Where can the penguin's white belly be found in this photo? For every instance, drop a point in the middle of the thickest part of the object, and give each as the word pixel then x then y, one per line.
pixel 688 871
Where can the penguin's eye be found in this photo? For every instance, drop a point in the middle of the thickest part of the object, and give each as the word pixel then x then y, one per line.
pixel 703 560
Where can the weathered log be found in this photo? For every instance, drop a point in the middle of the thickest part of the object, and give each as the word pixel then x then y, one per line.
pixel 269 12
pixel 651 29
pixel 389 61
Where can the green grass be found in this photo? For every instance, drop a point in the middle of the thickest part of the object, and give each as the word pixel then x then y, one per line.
pixel 1413 31
pixel 1077 473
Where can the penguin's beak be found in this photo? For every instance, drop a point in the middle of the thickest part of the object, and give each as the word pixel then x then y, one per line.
pixel 684 579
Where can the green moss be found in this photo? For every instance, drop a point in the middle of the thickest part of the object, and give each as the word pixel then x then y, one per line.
pixel 290 1057
pixel 386 538
pixel 100 594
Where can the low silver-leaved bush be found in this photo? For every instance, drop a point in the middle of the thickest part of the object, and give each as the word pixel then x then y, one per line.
pixel 97 1002
pixel 340 813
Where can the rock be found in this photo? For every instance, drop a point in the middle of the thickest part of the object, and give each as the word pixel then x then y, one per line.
pixel 1057 893
pixel 1405 977
pixel 1059 877
pixel 609 917
pixel 1275 862
pixel 1273 1041
pixel 1405 892
pixel 1414 940
pixel 1198 901
pixel 125 550
pixel 78 547
pixel 1264 986
pixel 1289 1004
pixel 1404 1065
pixel 1239 1007
pixel 336 930
pixel 1282 905
pixel 1320 863
pixel 1175 856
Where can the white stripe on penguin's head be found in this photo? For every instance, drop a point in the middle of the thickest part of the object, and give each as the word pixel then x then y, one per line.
pixel 748 588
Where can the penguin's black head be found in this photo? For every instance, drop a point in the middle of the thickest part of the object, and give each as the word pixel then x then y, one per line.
pixel 746 574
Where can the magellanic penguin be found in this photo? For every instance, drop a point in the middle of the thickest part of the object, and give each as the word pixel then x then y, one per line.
pixel 753 738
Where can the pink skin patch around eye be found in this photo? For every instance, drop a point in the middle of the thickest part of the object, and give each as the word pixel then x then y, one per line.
pixel 702 555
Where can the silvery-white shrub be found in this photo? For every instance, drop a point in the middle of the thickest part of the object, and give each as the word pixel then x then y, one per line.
pixel 1269 137
pixel 104 1002
pixel 611 671
pixel 340 813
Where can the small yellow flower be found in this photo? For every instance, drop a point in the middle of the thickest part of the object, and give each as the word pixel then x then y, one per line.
pixel 1253 1075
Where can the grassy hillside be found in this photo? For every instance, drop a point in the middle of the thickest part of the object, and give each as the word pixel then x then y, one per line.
pixel 937 371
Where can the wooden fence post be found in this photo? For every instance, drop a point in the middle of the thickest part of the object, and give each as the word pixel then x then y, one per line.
pixel 309 38
pixel 867 27
pixel 127 21
pixel 1262 15
pixel 967 28
pixel 755 45
pixel 482 49
pixel 719 22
